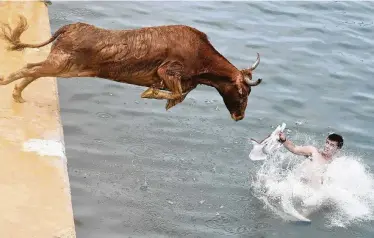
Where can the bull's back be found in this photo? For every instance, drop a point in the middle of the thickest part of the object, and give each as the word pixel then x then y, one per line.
pixel 134 43
pixel 139 51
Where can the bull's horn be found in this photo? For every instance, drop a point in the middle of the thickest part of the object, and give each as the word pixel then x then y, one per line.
pixel 255 64
pixel 251 82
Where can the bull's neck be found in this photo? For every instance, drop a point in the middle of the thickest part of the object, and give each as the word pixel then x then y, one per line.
pixel 212 81
pixel 217 71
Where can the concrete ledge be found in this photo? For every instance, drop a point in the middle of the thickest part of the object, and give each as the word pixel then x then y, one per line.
pixel 35 199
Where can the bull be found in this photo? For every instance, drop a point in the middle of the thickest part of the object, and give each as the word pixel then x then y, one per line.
pixel 170 60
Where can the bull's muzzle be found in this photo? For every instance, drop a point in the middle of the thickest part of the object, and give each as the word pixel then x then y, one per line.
pixel 236 117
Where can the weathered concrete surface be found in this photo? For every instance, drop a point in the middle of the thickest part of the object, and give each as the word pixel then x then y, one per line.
pixel 35 198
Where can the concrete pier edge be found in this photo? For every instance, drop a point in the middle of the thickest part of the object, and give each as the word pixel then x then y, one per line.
pixel 35 191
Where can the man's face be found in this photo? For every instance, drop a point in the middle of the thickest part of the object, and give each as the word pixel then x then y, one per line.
pixel 331 147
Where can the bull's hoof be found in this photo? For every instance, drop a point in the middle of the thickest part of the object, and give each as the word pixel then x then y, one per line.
pixel 18 98
pixel 149 93
pixel 170 104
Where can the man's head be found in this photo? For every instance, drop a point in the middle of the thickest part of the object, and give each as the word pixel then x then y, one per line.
pixel 334 142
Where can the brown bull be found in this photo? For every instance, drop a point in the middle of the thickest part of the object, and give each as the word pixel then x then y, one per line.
pixel 169 60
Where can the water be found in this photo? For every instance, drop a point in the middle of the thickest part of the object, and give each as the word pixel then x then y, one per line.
pixel 139 171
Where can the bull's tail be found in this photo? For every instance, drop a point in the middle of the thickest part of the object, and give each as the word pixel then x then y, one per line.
pixel 12 36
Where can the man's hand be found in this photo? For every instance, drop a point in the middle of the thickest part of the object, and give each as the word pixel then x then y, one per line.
pixel 282 137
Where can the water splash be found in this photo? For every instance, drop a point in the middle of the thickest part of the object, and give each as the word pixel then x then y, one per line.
pixel 347 188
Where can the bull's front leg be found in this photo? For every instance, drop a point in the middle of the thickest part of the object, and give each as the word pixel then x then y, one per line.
pixel 170 76
pixel 153 91
pixel 158 94
pixel 171 103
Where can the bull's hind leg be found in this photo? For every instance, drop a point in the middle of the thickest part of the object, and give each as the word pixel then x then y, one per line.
pixel 17 92
pixel 29 72
pixel 14 76
pixel 170 74
pixel 18 75
pixel 55 65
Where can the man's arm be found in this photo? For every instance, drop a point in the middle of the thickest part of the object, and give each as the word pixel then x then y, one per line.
pixel 298 150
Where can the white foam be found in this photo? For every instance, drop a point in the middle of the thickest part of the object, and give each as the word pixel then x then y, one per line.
pixel 348 189
pixel 45 147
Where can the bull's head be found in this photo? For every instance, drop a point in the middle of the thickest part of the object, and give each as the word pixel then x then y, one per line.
pixel 235 93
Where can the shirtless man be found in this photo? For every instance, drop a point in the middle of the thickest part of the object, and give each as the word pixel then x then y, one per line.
pixel 312 171
pixel 319 158
pixel 333 143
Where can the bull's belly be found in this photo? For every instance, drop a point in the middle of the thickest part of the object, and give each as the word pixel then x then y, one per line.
pixel 145 81
pixel 135 79
pixel 135 73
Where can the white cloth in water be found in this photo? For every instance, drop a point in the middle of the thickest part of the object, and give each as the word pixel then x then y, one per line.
pixel 269 145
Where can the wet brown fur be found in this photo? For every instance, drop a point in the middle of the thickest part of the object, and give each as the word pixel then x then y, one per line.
pixel 170 60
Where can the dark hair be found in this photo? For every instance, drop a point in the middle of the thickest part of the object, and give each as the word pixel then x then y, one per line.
pixel 337 138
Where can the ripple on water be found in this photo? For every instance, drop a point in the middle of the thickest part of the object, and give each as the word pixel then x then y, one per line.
pixel 220 221
pixel 104 115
